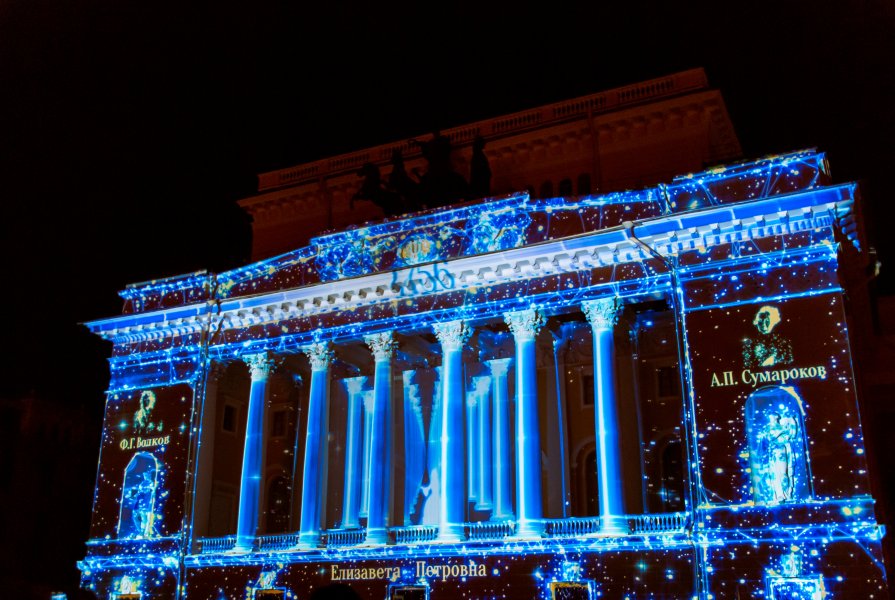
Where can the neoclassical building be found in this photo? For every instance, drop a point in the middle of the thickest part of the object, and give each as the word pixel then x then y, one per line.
pixel 607 394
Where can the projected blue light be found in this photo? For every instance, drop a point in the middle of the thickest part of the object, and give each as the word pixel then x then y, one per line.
pixel 464 365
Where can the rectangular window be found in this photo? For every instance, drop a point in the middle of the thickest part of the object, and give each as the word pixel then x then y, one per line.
pixel 229 421
pixel 278 426
pixel 587 389
pixel 409 592
pixel 668 383
pixel 569 590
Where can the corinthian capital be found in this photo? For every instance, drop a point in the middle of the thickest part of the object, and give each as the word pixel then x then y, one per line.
pixel 382 345
pixel 602 313
pixel 452 334
pixel 261 365
pixel 525 324
pixel 499 366
pixel 320 354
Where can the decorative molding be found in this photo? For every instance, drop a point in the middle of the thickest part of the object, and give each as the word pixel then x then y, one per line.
pixel 453 335
pixel 525 324
pixel 670 235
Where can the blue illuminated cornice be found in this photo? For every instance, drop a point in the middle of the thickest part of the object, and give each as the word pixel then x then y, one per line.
pixel 675 234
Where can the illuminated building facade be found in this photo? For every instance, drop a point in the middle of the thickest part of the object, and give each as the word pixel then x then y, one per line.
pixel 638 394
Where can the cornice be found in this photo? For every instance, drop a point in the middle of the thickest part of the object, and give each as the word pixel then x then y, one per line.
pixel 668 235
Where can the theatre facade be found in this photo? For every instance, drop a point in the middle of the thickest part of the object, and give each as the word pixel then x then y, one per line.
pixel 641 394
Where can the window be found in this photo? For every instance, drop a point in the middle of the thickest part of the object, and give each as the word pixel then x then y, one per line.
pixel 409 592
pixel 587 389
pixel 569 590
pixel 565 187
pixel 668 383
pixel 278 506
pixel 584 184
pixel 278 426
pixel 229 421
pixel 546 190
pixel 268 595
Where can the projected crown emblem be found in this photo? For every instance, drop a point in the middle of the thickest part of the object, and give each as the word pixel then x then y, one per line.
pixel 417 249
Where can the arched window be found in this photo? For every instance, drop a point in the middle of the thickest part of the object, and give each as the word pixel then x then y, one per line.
pixel 138 495
pixel 278 505
pixel 672 491
pixel 546 190
pixel 778 457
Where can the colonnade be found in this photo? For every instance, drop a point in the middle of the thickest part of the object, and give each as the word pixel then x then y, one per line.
pixel 482 475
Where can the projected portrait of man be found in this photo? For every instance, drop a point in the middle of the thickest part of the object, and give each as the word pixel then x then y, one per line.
pixel 143 422
pixel 768 349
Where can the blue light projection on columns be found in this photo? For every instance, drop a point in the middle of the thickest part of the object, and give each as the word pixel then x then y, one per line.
pixel 313 486
pixel 482 389
pixel 354 466
pixel 383 346
pixel 260 367
pixel 369 401
pixel 603 315
pixel 453 336
pixel 502 463
pixel 773 464
pixel 415 454
pixel 525 325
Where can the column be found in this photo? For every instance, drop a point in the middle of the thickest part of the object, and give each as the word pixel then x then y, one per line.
pixel 314 474
pixel 383 347
pixel 482 387
pixel 260 367
pixel 368 398
pixel 453 336
pixel 502 469
pixel 354 466
pixel 525 325
pixel 414 448
pixel 602 315
pixel 204 468
pixel 472 447
pixel 557 426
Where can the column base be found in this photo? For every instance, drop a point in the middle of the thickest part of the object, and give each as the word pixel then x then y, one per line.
pixel 376 536
pixel 529 529
pixel 244 543
pixel 613 525
pixel 309 540
pixel 450 532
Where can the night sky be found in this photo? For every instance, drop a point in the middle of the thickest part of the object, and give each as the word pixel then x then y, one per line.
pixel 128 130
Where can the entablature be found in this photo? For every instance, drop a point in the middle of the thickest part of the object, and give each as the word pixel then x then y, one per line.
pixel 690 233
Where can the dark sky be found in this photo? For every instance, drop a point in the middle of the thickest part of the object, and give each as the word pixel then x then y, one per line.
pixel 129 129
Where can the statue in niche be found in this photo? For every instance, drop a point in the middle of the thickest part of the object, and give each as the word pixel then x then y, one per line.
pixel 372 189
pixel 768 349
pixel 777 440
pixel 778 459
pixel 137 519
pixel 479 170
pixel 440 185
